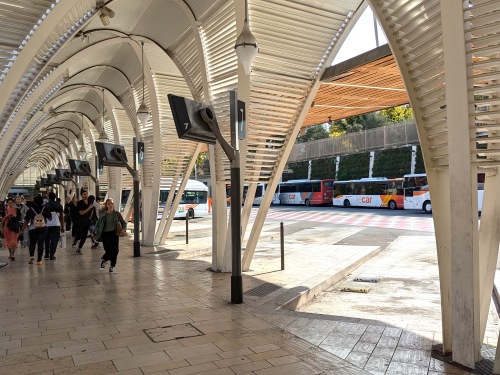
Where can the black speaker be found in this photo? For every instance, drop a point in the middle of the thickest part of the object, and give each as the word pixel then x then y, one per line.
pixel 109 154
pixel 188 121
pixel 79 167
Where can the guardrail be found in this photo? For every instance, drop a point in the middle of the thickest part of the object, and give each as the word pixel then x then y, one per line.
pixel 387 136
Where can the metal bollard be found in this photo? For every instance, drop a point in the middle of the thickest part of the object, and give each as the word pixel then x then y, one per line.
pixel 187 227
pixel 282 240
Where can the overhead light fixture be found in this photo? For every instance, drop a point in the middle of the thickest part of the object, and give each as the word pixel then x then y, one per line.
pixel 143 111
pixel 102 136
pixel 105 15
pixel 246 44
pixel 85 38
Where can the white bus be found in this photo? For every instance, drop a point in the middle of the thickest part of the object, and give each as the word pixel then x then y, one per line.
pixel 378 192
pixel 418 197
pixel 194 200
pixel 259 194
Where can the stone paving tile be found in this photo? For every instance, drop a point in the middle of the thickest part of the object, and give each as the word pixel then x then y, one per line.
pixel 97 328
pixel 100 356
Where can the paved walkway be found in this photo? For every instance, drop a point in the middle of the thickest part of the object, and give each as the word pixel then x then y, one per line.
pixel 167 313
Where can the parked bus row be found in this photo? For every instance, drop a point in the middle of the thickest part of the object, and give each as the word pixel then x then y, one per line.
pixel 410 193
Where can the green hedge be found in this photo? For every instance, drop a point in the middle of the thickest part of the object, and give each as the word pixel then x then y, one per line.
pixel 419 163
pixel 299 171
pixel 353 167
pixel 323 168
pixel 392 163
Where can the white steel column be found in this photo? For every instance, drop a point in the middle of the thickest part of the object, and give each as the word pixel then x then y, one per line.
pixel 151 192
pixel 463 201
pixel 489 238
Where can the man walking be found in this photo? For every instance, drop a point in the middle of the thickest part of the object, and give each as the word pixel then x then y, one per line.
pixel 54 227
pixel 85 211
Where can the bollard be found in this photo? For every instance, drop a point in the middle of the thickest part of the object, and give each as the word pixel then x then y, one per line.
pixel 187 227
pixel 282 240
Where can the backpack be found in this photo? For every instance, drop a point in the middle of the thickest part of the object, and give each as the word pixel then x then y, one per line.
pixel 13 225
pixel 39 219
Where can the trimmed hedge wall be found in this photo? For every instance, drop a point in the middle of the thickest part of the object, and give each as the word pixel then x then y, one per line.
pixel 392 163
pixel 419 162
pixel 299 171
pixel 353 167
pixel 323 168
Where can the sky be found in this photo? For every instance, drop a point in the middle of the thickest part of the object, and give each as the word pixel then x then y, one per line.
pixel 361 38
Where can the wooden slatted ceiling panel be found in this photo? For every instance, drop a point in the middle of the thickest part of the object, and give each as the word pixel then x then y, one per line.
pixel 175 153
pixel 283 73
pixel 367 88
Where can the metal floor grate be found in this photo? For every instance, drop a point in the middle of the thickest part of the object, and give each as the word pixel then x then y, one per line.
pixel 483 367
pixel 263 289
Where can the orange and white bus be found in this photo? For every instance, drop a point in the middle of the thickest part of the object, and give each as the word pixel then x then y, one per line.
pixel 418 197
pixel 369 192
pixel 308 192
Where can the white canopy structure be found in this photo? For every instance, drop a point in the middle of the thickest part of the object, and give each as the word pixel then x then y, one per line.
pixel 71 72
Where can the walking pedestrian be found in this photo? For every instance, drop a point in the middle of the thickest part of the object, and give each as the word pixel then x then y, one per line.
pixel 67 216
pixel 73 211
pixel 109 229
pixel 22 208
pixel 54 227
pixel 11 227
pixel 85 211
pixel 36 222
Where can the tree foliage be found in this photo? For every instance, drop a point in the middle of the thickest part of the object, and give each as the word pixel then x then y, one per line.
pixel 313 133
pixel 397 114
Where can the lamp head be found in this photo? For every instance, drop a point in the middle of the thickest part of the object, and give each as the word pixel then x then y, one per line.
pixel 246 47
pixel 105 15
pixel 143 113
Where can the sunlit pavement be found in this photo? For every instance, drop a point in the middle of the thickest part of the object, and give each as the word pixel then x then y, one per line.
pixel 167 313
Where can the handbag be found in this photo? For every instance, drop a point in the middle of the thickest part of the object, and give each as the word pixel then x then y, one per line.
pixel 119 230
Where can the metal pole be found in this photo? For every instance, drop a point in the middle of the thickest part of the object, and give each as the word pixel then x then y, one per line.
pixel 137 244
pixel 96 178
pixel 187 227
pixel 236 277
pixel 282 240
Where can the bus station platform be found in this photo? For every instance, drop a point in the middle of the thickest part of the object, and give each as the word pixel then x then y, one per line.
pixel 166 312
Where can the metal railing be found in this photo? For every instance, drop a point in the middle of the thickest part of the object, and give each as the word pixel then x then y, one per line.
pixel 388 136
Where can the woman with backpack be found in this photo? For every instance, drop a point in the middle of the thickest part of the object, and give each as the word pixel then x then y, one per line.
pixel 109 228
pixel 36 221
pixel 11 227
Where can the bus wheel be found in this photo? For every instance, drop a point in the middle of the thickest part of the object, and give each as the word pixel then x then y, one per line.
pixel 427 207
pixel 347 203
pixel 392 205
pixel 307 202
pixel 191 213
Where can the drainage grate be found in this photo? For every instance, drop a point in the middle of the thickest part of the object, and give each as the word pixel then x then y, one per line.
pixel 168 333
pixel 483 367
pixel 263 289
pixel 161 251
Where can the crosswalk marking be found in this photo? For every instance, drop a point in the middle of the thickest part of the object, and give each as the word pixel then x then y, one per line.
pixel 369 219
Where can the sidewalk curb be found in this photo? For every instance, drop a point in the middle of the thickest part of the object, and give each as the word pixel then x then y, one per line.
pixel 322 285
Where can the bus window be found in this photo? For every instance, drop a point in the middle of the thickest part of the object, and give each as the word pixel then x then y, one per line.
pixel 316 187
pixel 258 192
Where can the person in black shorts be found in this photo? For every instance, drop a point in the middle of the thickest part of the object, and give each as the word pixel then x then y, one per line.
pixel 85 211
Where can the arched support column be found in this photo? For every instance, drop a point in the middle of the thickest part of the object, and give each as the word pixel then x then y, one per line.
pixel 463 202
pixel 288 145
